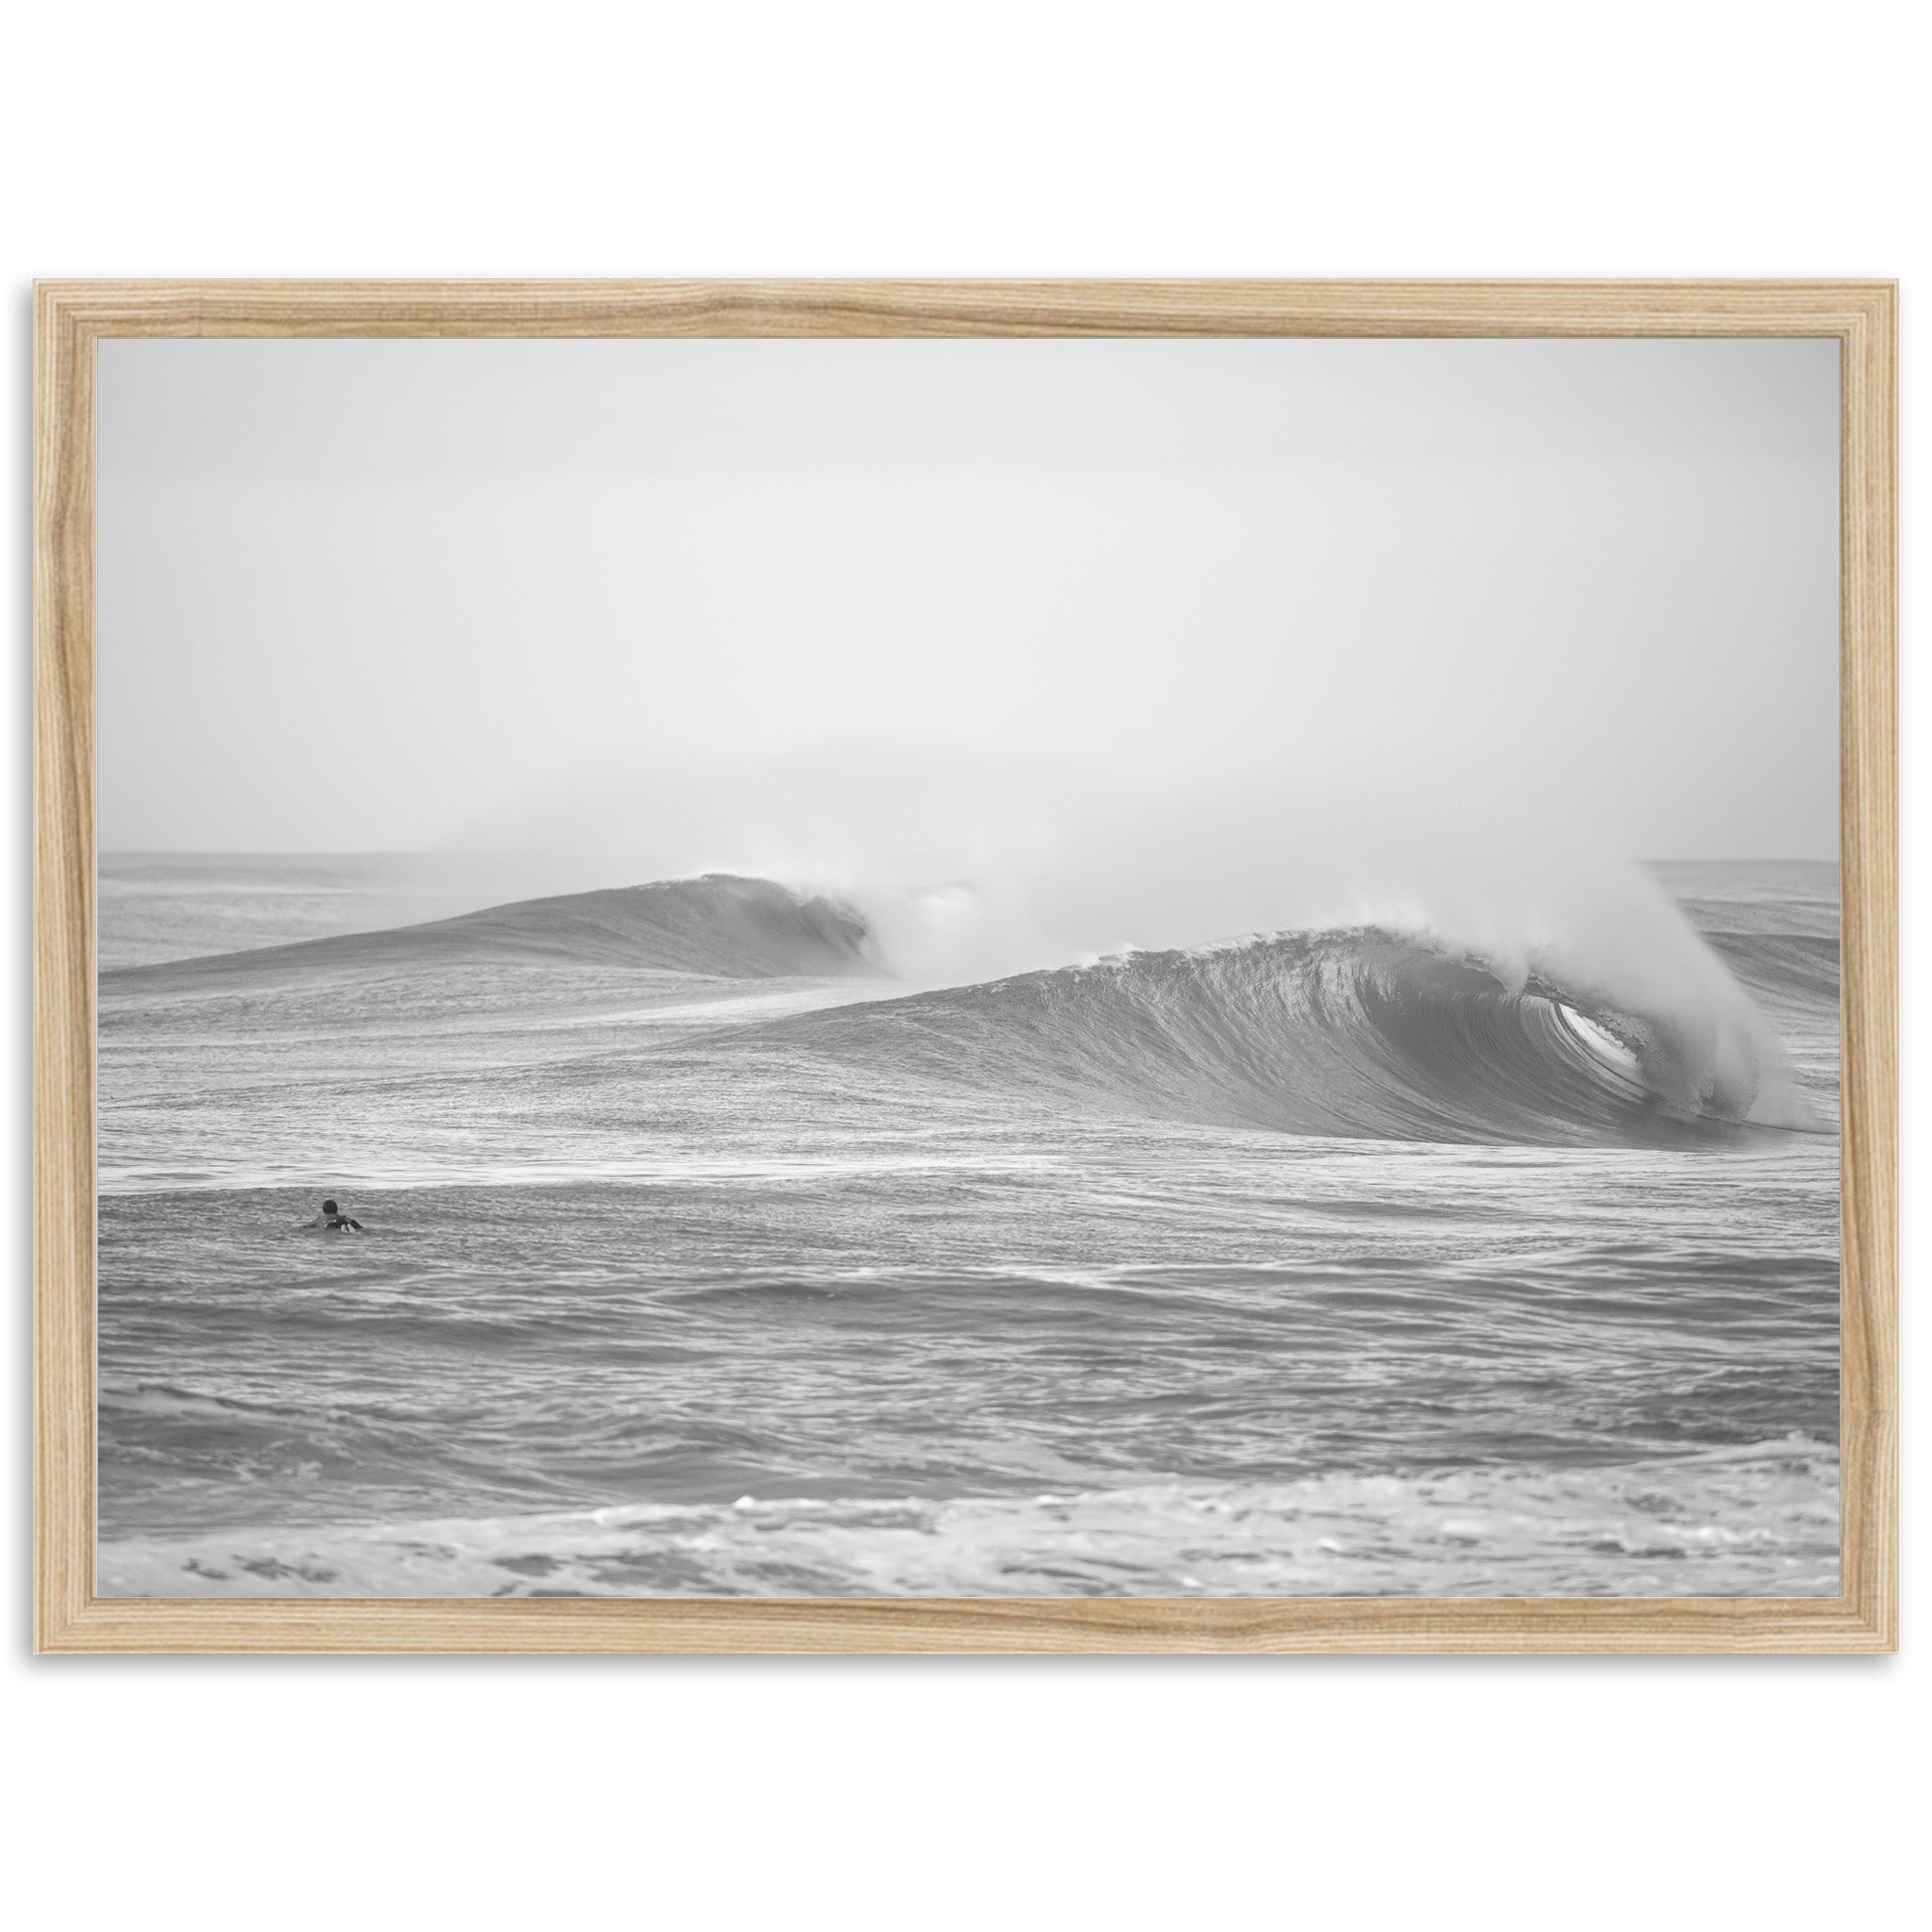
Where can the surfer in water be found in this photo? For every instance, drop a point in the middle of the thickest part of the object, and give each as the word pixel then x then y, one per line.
pixel 333 1221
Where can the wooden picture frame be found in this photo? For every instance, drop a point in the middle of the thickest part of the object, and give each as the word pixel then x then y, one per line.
pixel 72 317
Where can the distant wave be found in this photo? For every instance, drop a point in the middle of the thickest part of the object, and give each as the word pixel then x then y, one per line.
pixel 720 925
pixel 1362 1033
pixel 1781 966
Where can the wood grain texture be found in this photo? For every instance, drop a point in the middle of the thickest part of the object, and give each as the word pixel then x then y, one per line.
pixel 63 967
pixel 965 309
pixel 72 316
pixel 1868 1338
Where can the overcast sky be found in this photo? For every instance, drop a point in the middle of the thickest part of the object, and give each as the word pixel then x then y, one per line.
pixel 737 603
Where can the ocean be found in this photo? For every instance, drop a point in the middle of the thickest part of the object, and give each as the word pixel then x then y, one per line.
pixel 701 1256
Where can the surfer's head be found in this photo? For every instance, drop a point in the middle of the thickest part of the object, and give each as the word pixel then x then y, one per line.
pixel 330 1207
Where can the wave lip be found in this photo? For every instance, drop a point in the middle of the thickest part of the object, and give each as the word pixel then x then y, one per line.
pixel 1360 1033
pixel 718 924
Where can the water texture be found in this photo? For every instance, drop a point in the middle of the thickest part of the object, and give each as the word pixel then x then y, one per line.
pixel 705 1254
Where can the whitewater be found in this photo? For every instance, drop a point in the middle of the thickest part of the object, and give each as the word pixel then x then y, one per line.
pixel 733 1235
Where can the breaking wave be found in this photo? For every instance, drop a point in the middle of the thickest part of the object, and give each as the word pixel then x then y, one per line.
pixel 1362 1033
pixel 1637 1032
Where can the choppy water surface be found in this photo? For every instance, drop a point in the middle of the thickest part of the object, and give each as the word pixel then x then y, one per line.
pixel 702 1258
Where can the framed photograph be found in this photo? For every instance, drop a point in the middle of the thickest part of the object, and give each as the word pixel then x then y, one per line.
pixel 960 966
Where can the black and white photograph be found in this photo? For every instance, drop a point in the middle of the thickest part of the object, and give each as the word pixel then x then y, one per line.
pixel 969 968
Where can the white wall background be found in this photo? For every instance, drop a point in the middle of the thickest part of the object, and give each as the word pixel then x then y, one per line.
pixel 1042 137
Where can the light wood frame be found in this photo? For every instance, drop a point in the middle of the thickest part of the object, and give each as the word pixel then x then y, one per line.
pixel 73 316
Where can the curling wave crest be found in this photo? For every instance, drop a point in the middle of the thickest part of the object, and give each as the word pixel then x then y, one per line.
pixel 1363 1033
